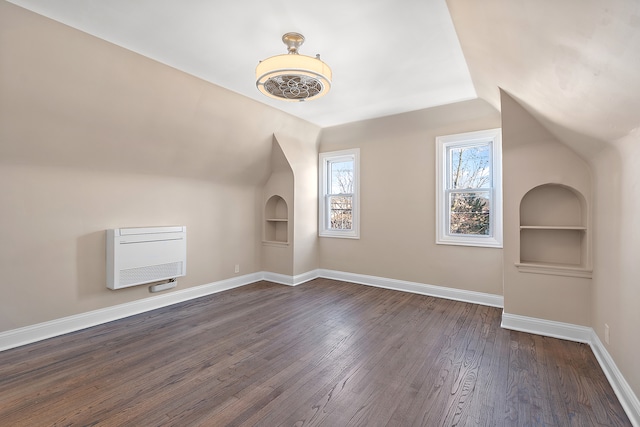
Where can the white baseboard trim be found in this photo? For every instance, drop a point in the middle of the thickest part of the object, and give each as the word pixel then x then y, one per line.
pixel 416 288
pixel 621 387
pixel 548 328
pixel 283 279
pixel 41 331
pixel 629 401
pixel 583 334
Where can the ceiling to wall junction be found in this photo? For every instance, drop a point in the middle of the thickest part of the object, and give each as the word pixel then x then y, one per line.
pixel 573 64
pixel 387 57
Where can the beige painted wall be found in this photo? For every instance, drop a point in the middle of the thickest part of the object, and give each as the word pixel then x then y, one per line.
pixel 533 157
pixel 303 158
pixel 397 167
pixel 278 258
pixel 92 137
pixel 572 65
pixel 52 223
pixel 616 283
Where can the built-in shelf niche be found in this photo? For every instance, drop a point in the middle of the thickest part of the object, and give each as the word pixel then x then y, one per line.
pixel 553 232
pixel 276 221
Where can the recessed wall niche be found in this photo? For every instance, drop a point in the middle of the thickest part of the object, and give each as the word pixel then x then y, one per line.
pixel 553 232
pixel 276 220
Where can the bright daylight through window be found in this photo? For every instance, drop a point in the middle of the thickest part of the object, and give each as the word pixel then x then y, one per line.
pixel 469 189
pixel 339 185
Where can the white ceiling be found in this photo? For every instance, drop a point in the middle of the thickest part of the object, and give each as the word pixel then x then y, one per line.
pixel 387 57
pixel 573 64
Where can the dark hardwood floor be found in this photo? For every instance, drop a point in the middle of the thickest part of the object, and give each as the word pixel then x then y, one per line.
pixel 323 353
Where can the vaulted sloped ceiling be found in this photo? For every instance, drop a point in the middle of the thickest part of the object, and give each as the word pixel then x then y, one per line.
pixel 387 57
pixel 574 64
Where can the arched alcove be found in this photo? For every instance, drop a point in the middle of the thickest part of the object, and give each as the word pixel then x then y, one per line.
pixel 276 220
pixel 553 231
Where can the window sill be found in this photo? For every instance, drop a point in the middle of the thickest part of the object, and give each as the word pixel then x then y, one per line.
pixel 554 269
pixel 339 235
pixel 274 243
pixel 488 242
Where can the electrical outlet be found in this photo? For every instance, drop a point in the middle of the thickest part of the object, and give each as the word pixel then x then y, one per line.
pixel 237 268
pixel 606 333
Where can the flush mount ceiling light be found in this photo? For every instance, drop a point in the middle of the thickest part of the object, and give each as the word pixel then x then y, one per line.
pixel 293 77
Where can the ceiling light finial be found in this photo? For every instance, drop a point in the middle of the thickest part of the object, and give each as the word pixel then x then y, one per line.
pixel 293 77
pixel 293 41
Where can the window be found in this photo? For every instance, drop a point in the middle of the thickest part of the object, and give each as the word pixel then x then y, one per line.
pixel 339 214
pixel 469 189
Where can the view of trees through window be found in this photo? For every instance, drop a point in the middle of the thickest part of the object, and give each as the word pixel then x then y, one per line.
pixel 469 190
pixel 340 198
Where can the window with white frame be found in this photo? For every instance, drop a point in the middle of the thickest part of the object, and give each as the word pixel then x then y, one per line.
pixel 469 189
pixel 339 210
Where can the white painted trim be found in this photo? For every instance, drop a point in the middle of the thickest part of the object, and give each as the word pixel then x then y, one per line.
pixel 548 328
pixel 29 334
pixel 567 331
pixel 416 288
pixel 305 277
pixel 621 387
pixel 352 154
pixel 493 137
pixel 394 284
pixel 41 331
pixel 554 270
pixel 283 279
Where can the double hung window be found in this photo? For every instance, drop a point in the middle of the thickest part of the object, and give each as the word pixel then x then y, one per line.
pixel 339 198
pixel 469 189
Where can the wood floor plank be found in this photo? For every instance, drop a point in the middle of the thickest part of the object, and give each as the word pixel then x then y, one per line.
pixel 325 353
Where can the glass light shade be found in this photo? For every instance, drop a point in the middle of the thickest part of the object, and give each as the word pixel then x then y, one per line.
pixel 293 77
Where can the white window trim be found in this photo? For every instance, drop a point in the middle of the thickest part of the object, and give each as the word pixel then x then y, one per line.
pixel 443 237
pixel 323 218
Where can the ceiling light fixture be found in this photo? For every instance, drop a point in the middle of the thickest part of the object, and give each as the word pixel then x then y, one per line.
pixel 293 77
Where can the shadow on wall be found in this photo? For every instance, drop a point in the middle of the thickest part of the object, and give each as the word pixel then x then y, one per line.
pixel 91 264
pixel 586 146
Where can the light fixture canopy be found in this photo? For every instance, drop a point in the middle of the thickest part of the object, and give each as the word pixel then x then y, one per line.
pixel 293 77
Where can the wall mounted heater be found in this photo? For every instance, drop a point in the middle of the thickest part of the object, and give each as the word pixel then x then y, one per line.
pixel 136 256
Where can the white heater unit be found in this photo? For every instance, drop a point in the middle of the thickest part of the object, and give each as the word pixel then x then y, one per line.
pixel 136 256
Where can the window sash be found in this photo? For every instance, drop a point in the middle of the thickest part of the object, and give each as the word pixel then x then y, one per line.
pixel 484 196
pixel 339 217
pixel 449 156
pixel 477 218
pixel 332 174
pixel 339 221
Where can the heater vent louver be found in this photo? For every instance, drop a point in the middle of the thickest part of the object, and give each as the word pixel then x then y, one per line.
pixel 136 256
